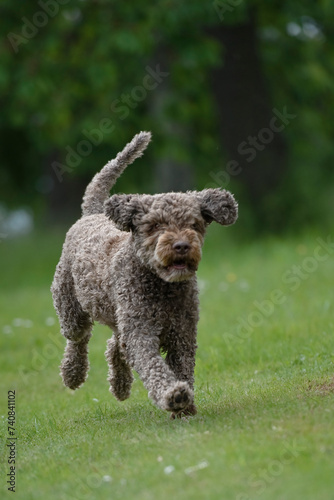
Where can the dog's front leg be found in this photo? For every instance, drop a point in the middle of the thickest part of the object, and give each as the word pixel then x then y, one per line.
pixel 143 354
pixel 181 360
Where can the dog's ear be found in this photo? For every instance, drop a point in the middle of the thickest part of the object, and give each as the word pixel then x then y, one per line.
pixel 218 205
pixel 124 210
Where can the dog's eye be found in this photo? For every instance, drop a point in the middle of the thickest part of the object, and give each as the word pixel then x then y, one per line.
pixel 196 226
pixel 155 227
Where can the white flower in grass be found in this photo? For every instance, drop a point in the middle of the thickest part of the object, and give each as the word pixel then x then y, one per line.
pixel 96 400
pixel 7 329
pixel 244 286
pixel 169 469
pixel 202 285
pixel 194 468
pixel 50 321
pixel 17 322
pixel 25 323
pixel 107 479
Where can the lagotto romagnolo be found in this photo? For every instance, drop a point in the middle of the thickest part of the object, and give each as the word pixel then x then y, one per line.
pixel 130 263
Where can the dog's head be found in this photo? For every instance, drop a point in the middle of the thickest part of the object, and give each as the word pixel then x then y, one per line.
pixel 168 229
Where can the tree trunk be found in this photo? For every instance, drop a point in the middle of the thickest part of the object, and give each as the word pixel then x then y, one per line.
pixel 170 174
pixel 250 127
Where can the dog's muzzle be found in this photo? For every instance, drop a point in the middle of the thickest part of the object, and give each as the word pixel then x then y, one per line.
pixel 178 258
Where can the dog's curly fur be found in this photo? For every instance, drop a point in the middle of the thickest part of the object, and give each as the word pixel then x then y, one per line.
pixel 130 263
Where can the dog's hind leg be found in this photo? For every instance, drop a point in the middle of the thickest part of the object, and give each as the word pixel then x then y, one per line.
pixel 75 365
pixel 76 326
pixel 119 375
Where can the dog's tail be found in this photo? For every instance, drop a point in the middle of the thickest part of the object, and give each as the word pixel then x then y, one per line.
pixel 98 189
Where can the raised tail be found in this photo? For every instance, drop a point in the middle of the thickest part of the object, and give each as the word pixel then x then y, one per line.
pixel 98 190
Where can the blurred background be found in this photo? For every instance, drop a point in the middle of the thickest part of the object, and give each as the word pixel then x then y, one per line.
pixel 237 94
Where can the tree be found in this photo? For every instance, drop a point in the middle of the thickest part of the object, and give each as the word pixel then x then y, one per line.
pixel 78 79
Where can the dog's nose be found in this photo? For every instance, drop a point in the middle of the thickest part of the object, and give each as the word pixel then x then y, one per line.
pixel 181 247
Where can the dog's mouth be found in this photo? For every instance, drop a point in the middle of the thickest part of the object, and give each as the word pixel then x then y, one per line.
pixel 178 265
pixel 179 269
pixel 182 266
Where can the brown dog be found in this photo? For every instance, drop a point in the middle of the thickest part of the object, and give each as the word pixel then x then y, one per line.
pixel 130 263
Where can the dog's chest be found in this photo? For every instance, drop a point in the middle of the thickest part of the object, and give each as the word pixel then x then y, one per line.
pixel 156 305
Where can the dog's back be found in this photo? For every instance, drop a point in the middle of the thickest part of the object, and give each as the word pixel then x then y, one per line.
pixel 89 249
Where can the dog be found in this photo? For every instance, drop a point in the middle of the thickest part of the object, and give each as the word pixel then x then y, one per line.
pixel 130 263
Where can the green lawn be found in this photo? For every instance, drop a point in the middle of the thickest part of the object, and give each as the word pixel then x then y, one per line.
pixel 264 385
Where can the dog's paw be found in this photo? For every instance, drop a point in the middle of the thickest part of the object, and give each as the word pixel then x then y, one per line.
pixel 74 374
pixel 190 411
pixel 178 398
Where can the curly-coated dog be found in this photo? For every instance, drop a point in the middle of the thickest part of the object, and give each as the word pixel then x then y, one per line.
pixel 130 263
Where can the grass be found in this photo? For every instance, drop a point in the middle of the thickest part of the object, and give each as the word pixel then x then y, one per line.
pixel 264 390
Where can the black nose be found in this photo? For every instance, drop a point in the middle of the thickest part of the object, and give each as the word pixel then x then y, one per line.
pixel 181 247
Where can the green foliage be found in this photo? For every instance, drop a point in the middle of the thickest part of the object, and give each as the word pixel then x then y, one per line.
pixel 299 68
pixel 62 78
